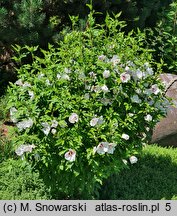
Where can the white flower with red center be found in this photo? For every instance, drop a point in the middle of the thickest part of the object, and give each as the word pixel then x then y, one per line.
pixel 133 159
pixel 70 155
pixel 155 89
pixel 148 118
pixel 73 118
pixel 94 121
pixel 106 74
pixel 125 77
pixel 125 136
pixel 102 148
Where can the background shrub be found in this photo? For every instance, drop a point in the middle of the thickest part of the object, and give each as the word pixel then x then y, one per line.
pixel 18 182
pixel 163 38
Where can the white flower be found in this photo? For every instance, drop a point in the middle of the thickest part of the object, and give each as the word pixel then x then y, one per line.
pixel 155 89
pixel 48 82
pixel 149 71
pixel 104 88
pixel 66 70
pixel 111 148
pixel 70 155
pixel 102 148
pixel 139 74
pixel 40 76
pixel 125 77
pixel 133 159
pixel 65 77
pixel 53 131
pixel 125 136
pixel 25 124
pixel 24 148
pixel 147 92
pixel 131 114
pixel 96 121
pixel 106 101
pixel 31 94
pixel 81 76
pixel 151 102
pixel 115 60
pixel 73 118
pixel 146 64
pixel 54 123
pixel 135 99
pixel 95 88
pixel 127 68
pixel 87 96
pixel 138 91
pixel 100 120
pixel 93 122
pixel 58 76
pixel 148 118
pixel 19 82
pixel 26 84
pixel 102 57
pixel 92 75
pixel 106 74
pixel 46 128
pixel 13 110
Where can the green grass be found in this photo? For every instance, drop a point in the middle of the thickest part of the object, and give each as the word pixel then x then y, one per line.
pixel 154 177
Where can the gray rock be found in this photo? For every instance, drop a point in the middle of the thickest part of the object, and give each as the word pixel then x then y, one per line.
pixel 165 132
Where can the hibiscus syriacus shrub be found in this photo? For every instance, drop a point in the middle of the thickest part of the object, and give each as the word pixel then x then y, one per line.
pixel 84 109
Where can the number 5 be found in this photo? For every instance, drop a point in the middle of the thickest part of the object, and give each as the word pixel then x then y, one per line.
pixel 168 207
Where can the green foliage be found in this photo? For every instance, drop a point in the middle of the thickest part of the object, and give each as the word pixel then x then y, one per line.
pixel 18 182
pixel 152 178
pixel 85 106
pixel 164 38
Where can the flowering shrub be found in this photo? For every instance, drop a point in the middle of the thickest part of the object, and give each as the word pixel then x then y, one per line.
pixel 86 107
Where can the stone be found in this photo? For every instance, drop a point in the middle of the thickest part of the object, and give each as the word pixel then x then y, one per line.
pixel 165 131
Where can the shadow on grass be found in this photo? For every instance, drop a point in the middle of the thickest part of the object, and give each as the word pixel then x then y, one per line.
pixel 154 177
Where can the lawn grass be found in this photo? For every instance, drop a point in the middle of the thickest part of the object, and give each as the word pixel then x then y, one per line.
pixel 154 177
